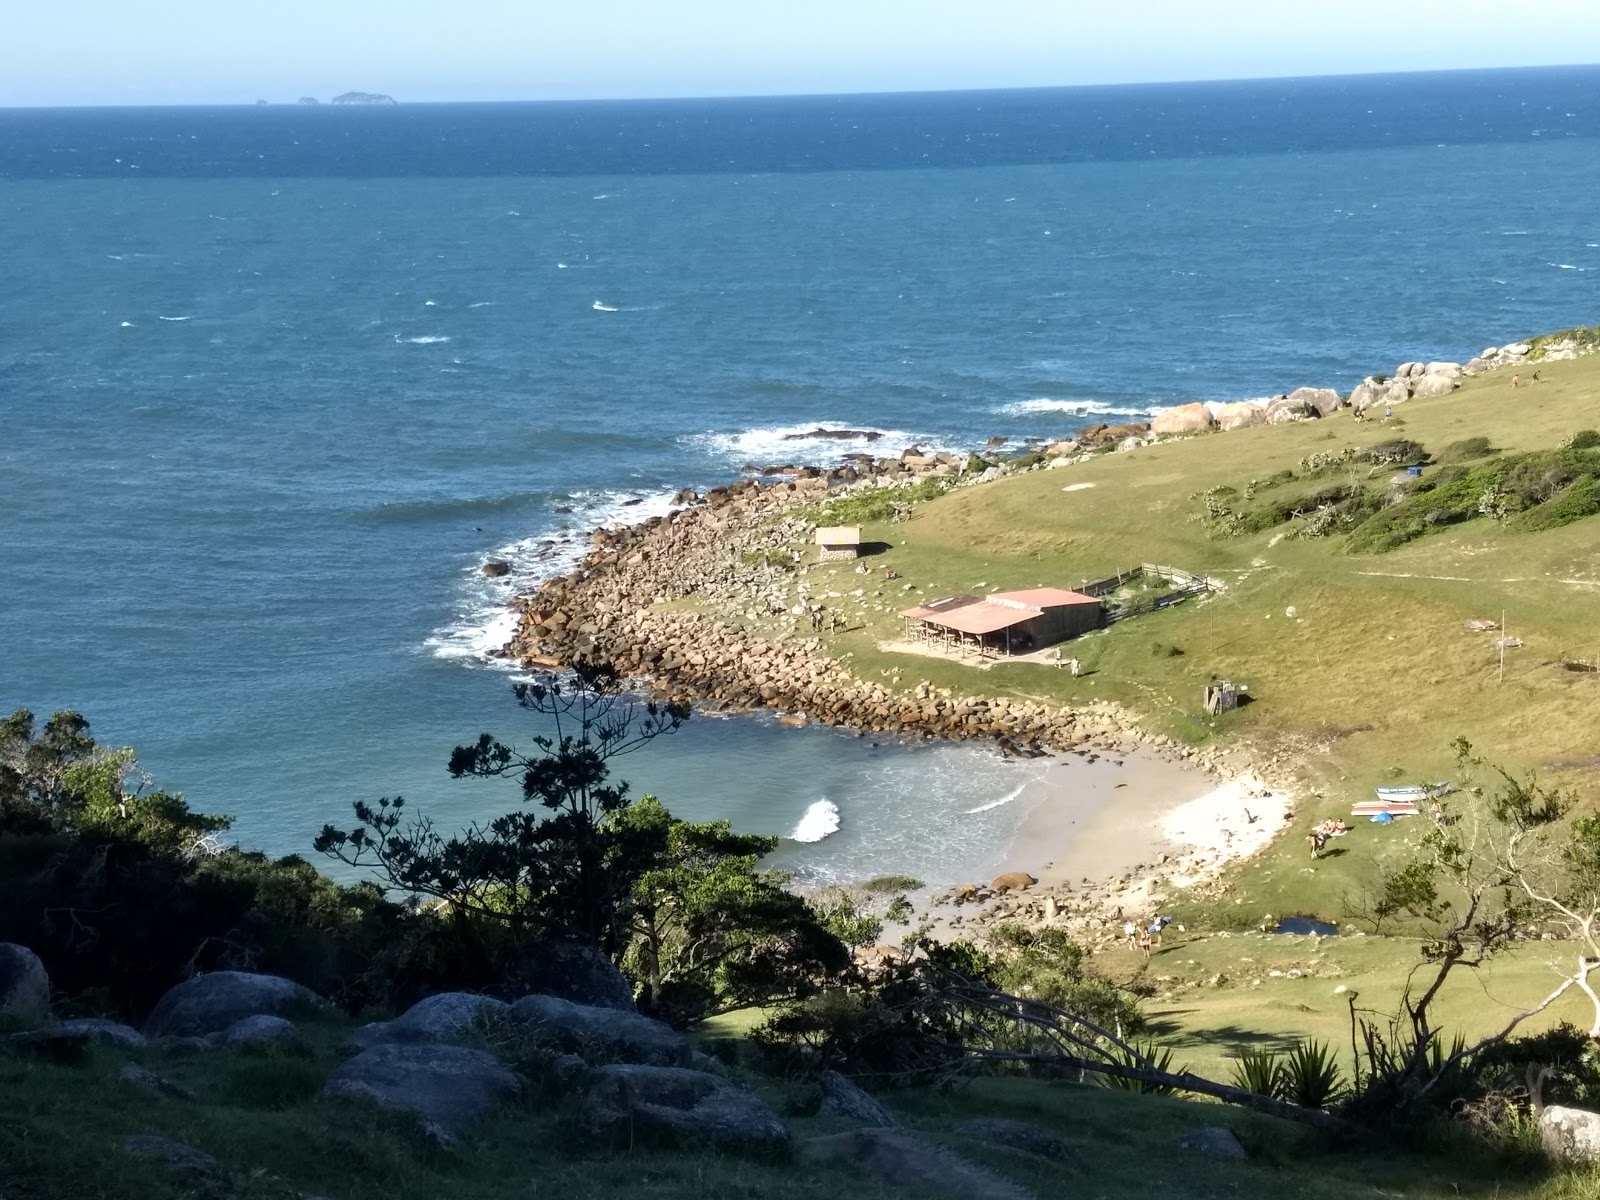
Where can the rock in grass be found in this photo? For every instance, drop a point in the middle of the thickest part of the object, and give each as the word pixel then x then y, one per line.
pixel 140 1079
pixel 81 1032
pixel 1015 1135
pixel 678 1106
pixel 446 1088
pixel 1570 1135
pixel 908 1161
pixel 841 1098
pixel 1213 1140
pixel 602 1034
pixel 210 1003
pixel 263 1027
pixel 24 986
pixel 573 970
pixel 440 1018
pixel 177 1156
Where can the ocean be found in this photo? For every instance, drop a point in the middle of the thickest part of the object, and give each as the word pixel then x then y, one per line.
pixel 275 382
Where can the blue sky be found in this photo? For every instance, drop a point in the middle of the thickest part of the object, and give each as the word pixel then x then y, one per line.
pixel 234 51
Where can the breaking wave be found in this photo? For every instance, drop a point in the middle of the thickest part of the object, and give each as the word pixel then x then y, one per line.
pixel 1080 408
pixel 817 822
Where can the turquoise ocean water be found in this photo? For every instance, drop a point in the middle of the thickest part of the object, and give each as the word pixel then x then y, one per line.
pixel 274 382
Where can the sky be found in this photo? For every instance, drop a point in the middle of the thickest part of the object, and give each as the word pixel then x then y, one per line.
pixel 70 52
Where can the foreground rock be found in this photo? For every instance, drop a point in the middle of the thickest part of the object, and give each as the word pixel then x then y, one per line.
pixel 1015 1135
pixel 84 1030
pixel 185 1159
pixel 446 1088
pixel 148 1082
pixel 908 1161
pixel 678 1106
pixel 1570 1135
pixel 255 1030
pixel 210 1003
pixel 24 986
pixel 602 1034
pixel 573 970
pixel 841 1098
pixel 440 1018
pixel 1213 1141
pixel 1184 418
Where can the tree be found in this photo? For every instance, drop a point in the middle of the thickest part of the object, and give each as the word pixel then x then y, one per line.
pixel 1511 869
pixel 710 930
pixel 563 869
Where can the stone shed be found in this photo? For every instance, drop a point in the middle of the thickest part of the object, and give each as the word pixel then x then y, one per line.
pixel 836 542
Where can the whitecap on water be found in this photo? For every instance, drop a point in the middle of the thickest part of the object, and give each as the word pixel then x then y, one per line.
pixel 799 443
pixel 424 340
pixel 818 821
pixel 600 306
pixel 177 318
pixel 1082 408
pixel 1013 795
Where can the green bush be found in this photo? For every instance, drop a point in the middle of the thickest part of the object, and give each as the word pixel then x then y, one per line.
pixel 1467 450
pixel 876 504
pixel 1581 499
pixel 1259 1071
pixel 1310 1076
pixel 893 883
pixel 1585 439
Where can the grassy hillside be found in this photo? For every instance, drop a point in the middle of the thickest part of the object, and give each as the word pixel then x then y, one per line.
pixel 257 1112
pixel 1374 673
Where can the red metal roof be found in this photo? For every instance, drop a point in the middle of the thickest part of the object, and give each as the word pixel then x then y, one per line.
pixel 1042 598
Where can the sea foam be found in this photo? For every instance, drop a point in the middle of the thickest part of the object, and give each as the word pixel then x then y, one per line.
pixel 792 443
pixel 1082 408
pixel 819 820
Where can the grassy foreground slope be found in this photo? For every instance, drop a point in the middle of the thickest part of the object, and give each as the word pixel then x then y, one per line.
pixel 257 1112
pixel 1376 671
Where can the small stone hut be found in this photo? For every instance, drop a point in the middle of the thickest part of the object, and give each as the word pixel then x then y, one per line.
pixel 836 542
pixel 1006 622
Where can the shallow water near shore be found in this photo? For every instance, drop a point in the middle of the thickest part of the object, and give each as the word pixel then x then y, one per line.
pixel 275 384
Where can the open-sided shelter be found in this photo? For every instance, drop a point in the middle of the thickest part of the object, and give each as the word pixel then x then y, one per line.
pixel 1006 622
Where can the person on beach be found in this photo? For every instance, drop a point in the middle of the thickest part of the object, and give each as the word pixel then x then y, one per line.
pixel 1144 942
pixel 1156 926
pixel 1075 667
pixel 1130 931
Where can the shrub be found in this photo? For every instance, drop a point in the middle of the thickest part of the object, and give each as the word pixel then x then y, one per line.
pixel 1467 450
pixel 1145 1054
pixel 1310 1076
pixel 1259 1071
pixel 1581 499
pixel 893 883
pixel 1584 439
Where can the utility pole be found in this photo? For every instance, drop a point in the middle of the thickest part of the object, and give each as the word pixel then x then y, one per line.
pixel 1502 645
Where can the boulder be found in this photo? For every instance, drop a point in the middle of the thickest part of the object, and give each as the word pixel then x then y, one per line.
pixel 440 1018
pixel 496 568
pixel 912 1163
pixel 1449 370
pixel 1213 1140
pixel 1433 385
pixel 210 1003
pixel 841 1098
pixel 1240 415
pixel 446 1088
pixel 176 1155
pixel 24 986
pixel 1015 1135
pixel 1407 369
pixel 1368 392
pixel 1013 881
pixel 677 1105
pixel 1322 401
pixel 1516 350
pixel 260 1028
pixel 574 970
pixel 1570 1135
pixel 602 1033
pixel 1476 366
pixel 1284 409
pixel 1184 418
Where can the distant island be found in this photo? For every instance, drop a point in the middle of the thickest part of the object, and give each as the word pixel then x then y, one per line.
pixel 363 98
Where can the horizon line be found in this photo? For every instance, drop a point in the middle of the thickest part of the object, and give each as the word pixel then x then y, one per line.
pixel 818 95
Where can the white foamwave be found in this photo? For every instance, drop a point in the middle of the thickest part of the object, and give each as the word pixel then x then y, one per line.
pixel 177 318
pixel 430 303
pixel 424 340
pixel 1013 795
pixel 1082 408
pixel 600 307
pixel 480 304
pixel 483 621
pixel 127 324
pixel 817 822
pixel 794 443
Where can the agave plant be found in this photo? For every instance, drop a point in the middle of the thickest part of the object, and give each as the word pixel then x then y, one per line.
pixel 1310 1076
pixel 1259 1071
pixel 1146 1054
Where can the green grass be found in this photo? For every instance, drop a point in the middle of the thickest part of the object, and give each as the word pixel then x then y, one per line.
pixel 60 1126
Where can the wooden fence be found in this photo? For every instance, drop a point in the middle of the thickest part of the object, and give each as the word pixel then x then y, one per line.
pixel 1185 584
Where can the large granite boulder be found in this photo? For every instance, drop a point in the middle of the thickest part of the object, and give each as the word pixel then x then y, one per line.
pixel 1570 1135
pixel 1321 401
pixel 1184 418
pixel 1214 1141
pixel 680 1106
pixel 912 1163
pixel 84 1030
pixel 1240 415
pixel 574 970
pixel 1449 370
pixel 210 1003
pixel 841 1098
pixel 446 1088
pixel 602 1034
pixel 1284 409
pixel 261 1028
pixel 24 985
pixel 1433 385
pixel 440 1018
